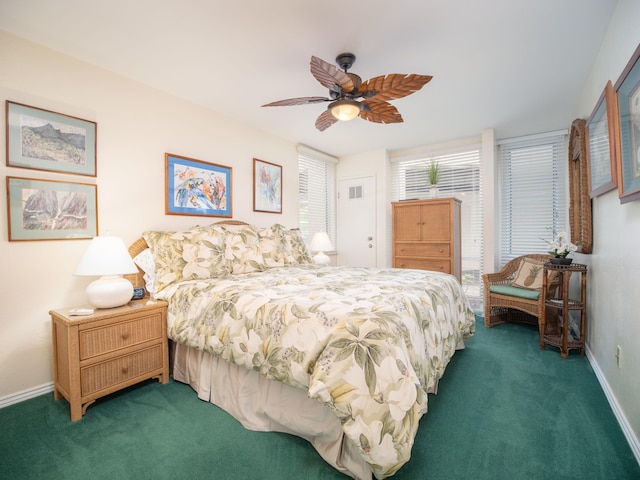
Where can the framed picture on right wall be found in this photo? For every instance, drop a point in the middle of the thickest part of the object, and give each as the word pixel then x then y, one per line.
pixel 602 129
pixel 628 139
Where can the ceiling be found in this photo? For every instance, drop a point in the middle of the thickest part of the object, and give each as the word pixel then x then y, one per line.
pixel 514 65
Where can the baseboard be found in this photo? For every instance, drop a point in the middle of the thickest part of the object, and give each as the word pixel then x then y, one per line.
pixel 26 394
pixel 634 443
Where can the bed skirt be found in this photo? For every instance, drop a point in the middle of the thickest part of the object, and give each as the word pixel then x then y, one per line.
pixel 265 405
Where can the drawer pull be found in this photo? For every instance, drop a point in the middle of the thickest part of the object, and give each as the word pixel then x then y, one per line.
pixel 124 336
pixel 125 370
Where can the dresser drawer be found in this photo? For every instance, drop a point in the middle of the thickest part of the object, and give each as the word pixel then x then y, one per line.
pixel 436 265
pixel 103 375
pixel 423 250
pixel 108 338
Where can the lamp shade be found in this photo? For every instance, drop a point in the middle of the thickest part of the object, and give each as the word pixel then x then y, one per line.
pixel 106 256
pixel 109 258
pixel 321 243
pixel 345 110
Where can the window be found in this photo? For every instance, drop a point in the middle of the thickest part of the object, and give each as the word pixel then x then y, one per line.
pixel 459 177
pixel 316 194
pixel 533 178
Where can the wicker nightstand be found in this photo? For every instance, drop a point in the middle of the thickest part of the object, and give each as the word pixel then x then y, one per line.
pixel 114 348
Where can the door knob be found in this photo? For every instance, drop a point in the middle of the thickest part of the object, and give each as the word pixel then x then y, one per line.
pixel 369 238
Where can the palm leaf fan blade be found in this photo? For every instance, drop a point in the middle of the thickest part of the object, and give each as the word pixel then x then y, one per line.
pixel 297 101
pixel 329 76
pixel 394 85
pixel 379 111
pixel 325 120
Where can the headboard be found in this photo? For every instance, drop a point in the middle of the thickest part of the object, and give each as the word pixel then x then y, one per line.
pixel 137 279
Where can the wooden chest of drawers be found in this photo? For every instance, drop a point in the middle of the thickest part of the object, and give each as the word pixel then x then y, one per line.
pixel 112 349
pixel 426 235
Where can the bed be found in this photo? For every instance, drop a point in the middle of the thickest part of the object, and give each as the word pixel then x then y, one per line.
pixel 342 357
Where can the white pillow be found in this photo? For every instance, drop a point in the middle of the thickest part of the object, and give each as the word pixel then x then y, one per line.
pixel 145 261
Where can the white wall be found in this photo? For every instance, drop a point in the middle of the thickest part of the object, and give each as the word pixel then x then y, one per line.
pixel 136 126
pixel 614 285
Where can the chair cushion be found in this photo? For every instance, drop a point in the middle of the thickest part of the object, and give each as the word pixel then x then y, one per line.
pixel 529 274
pixel 515 291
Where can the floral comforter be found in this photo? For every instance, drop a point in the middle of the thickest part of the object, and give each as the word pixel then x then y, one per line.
pixel 368 343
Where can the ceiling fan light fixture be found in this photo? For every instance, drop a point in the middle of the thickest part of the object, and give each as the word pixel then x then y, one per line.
pixel 345 110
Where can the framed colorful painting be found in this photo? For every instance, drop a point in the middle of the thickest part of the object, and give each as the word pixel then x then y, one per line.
pixel 267 187
pixel 51 210
pixel 45 140
pixel 194 187
pixel 628 140
pixel 602 127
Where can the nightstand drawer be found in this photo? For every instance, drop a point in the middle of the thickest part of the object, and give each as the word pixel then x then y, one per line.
pixel 108 338
pixel 118 370
pixel 423 250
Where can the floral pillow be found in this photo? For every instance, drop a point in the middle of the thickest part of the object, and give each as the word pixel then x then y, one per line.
pixel 295 250
pixel 529 274
pixel 270 244
pixel 189 255
pixel 242 249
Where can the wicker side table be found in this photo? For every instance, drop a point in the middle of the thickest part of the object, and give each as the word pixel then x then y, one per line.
pixel 565 341
pixel 114 348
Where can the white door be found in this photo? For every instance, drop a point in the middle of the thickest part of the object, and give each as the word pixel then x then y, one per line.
pixel 357 222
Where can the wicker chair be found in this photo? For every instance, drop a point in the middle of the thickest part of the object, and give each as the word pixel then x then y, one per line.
pixel 502 308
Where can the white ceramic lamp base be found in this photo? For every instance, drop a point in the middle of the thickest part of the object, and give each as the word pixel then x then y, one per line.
pixel 321 258
pixel 109 291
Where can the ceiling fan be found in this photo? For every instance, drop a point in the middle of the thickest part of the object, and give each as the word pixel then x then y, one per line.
pixel 350 96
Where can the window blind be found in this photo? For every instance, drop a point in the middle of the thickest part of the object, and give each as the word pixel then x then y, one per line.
pixel 316 194
pixel 459 177
pixel 533 181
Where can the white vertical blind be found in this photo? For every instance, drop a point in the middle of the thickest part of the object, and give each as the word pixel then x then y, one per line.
pixel 316 193
pixel 460 178
pixel 533 181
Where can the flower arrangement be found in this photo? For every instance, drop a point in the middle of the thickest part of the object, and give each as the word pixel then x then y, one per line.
pixel 560 246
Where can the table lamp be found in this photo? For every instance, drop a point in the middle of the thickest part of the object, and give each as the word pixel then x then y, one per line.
pixel 108 258
pixel 321 244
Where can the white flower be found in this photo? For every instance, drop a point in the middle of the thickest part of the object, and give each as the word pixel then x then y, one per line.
pixel 560 245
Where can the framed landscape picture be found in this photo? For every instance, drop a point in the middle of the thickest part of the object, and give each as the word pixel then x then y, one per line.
pixel 194 187
pixel 51 210
pixel 45 140
pixel 267 187
pixel 628 91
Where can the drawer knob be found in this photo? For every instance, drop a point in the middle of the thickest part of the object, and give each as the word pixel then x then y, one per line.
pixel 125 336
pixel 125 369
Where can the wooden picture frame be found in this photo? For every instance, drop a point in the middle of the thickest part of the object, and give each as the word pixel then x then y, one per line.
pixel 627 89
pixel 51 210
pixel 267 187
pixel 194 187
pixel 44 140
pixel 602 127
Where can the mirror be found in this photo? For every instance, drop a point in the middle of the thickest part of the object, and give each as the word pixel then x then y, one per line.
pixel 579 199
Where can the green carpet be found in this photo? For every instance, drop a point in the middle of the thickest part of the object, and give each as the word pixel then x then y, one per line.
pixel 504 410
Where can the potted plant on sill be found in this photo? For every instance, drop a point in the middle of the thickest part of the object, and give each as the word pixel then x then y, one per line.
pixel 433 171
